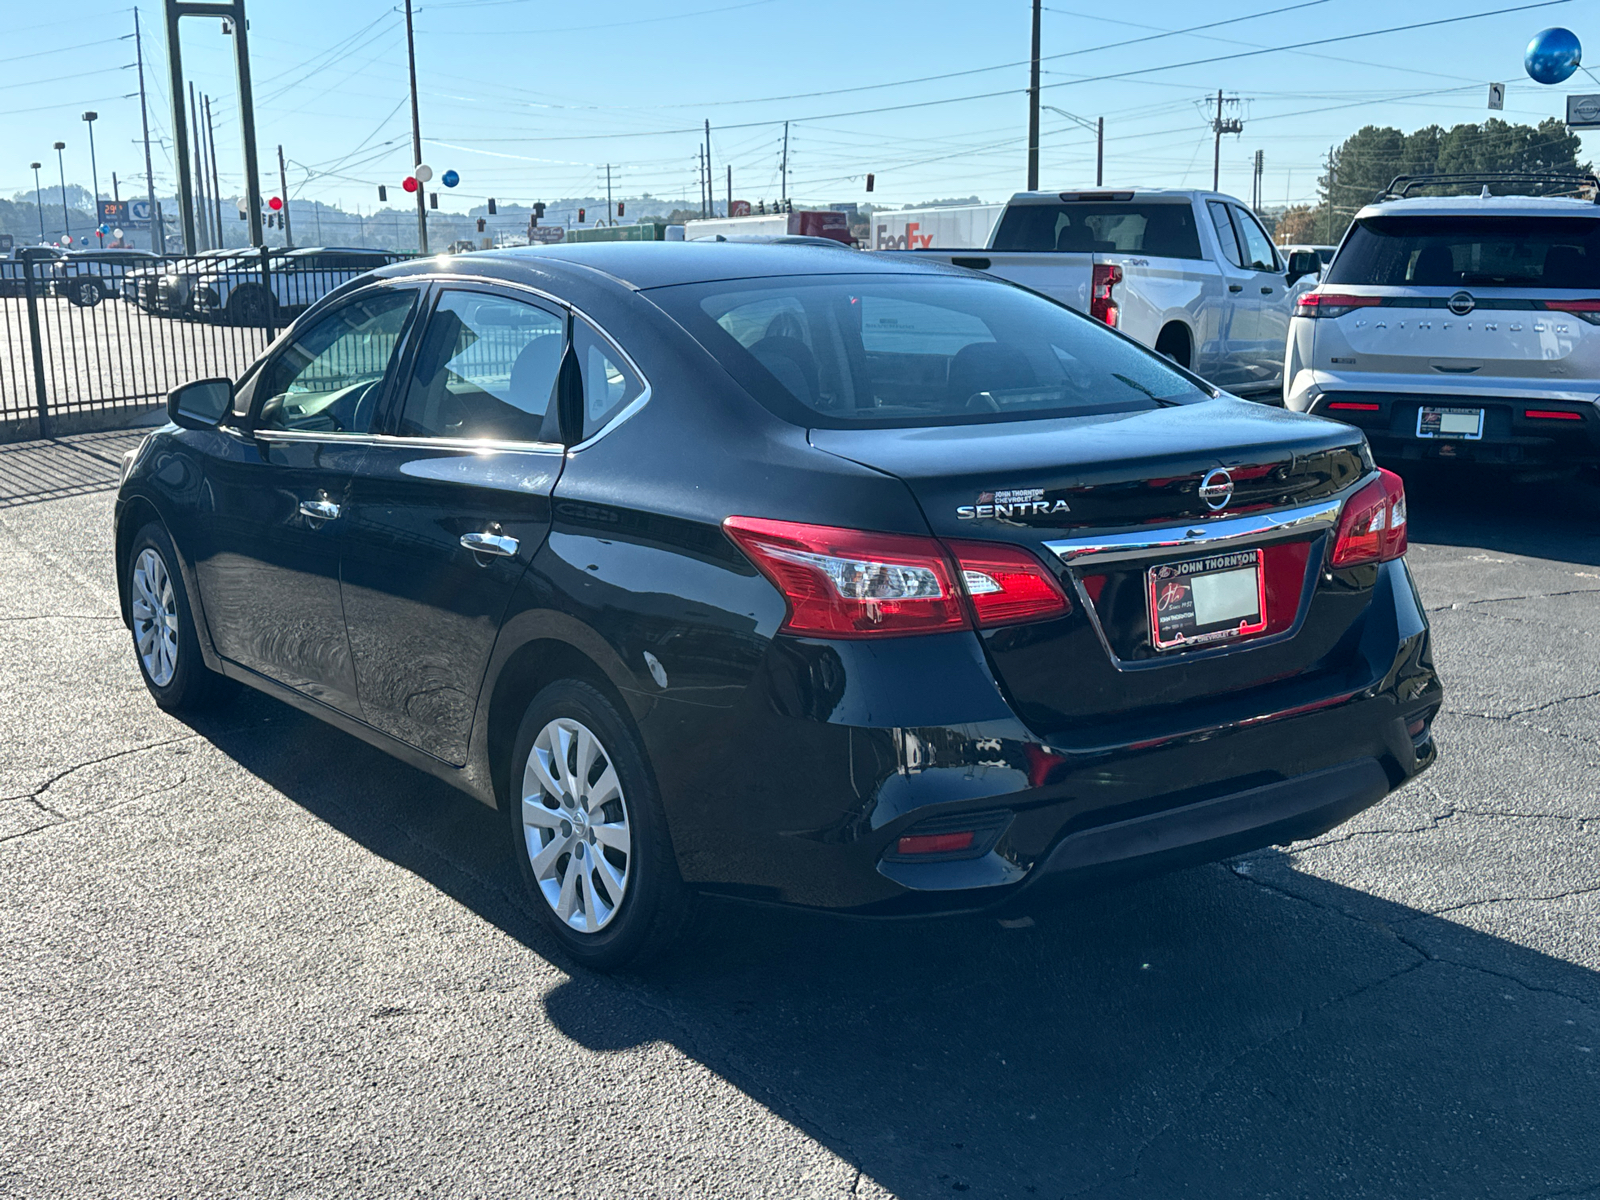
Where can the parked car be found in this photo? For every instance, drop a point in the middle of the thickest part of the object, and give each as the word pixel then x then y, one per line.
pixel 1459 328
pixel 166 287
pixel 1191 274
pixel 839 580
pixel 296 280
pixel 12 282
pixel 86 277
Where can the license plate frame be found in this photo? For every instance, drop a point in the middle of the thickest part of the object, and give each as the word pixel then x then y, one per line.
pixel 1432 422
pixel 1175 606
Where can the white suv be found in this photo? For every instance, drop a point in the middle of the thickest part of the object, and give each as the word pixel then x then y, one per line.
pixel 1463 328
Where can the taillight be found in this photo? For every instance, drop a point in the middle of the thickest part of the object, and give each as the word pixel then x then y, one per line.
pixel 1006 584
pixel 1550 414
pixel 1372 527
pixel 1102 305
pixel 1585 310
pixel 1317 303
pixel 847 583
pixel 843 583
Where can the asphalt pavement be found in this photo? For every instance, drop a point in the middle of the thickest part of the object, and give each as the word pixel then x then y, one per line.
pixel 248 955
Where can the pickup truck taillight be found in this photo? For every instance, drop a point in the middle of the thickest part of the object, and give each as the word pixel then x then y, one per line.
pixel 847 583
pixel 1331 304
pixel 1372 527
pixel 1102 304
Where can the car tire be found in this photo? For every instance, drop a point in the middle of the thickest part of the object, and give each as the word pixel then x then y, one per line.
pixel 251 306
pixel 580 794
pixel 86 293
pixel 165 643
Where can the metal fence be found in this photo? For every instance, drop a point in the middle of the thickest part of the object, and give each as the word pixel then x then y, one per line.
pixel 93 341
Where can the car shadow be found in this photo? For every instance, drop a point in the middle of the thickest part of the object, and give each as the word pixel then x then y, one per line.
pixel 1246 1029
pixel 1556 518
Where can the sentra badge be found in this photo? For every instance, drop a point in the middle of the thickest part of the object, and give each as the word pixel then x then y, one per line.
pixel 1008 505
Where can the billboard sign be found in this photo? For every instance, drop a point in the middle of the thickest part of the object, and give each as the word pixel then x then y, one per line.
pixel 546 235
pixel 739 208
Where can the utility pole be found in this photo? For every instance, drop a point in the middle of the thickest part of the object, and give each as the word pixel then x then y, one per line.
pixel 1033 105
pixel 609 220
pixel 61 165
pixel 783 170
pixel 1218 128
pixel 1328 234
pixel 1099 151
pixel 1255 186
pixel 711 197
pixel 216 181
pixel 197 177
pixel 416 132
pixel 730 189
pixel 283 190
pixel 158 236
pixel 38 198
pixel 89 119
pixel 700 153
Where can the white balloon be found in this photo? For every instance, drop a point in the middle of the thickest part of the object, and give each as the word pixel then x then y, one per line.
pixel 117 233
pixel 423 173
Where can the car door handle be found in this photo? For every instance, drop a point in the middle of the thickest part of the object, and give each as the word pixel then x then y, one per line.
pixel 1236 287
pixel 1266 291
pixel 490 543
pixel 319 510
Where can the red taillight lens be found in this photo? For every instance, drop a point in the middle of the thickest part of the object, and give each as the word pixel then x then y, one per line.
pixel 1585 310
pixel 1006 584
pixel 1550 414
pixel 1102 305
pixel 844 583
pixel 1352 406
pixel 935 843
pixel 1331 304
pixel 1372 527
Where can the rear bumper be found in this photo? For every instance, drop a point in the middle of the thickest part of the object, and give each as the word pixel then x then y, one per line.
pixel 1561 433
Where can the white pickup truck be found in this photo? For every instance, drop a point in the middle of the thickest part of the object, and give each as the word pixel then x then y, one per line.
pixel 1191 274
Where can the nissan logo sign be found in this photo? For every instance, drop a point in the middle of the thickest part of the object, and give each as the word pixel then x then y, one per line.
pixel 1461 303
pixel 1216 489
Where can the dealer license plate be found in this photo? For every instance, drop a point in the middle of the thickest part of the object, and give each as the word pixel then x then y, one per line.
pixel 1207 600
pixel 1465 423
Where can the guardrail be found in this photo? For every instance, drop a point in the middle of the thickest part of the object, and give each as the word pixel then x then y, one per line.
pixel 95 341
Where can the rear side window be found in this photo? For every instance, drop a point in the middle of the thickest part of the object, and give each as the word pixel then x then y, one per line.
pixel 839 352
pixel 1539 253
pixel 609 384
pixel 1153 230
pixel 487 369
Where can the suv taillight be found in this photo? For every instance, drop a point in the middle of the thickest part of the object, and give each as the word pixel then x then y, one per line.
pixel 1102 304
pixel 1372 527
pixel 1585 309
pixel 846 583
pixel 1317 303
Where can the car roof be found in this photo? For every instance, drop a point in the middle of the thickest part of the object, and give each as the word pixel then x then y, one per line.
pixel 642 265
pixel 1481 206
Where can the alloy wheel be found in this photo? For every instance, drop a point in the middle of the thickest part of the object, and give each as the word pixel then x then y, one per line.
pixel 575 825
pixel 155 617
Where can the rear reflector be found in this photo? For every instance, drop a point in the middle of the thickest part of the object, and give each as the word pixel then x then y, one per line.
pixel 935 843
pixel 1352 406
pixel 1372 527
pixel 1550 414
pixel 1006 584
pixel 1417 726
pixel 1331 304
pixel 844 583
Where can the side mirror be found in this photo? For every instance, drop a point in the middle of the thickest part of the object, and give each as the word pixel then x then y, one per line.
pixel 201 404
pixel 1303 263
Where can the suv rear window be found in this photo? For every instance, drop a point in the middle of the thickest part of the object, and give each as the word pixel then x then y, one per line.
pixel 1156 230
pixel 840 352
pixel 1452 252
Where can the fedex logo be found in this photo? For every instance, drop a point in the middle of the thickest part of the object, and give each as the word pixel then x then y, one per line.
pixel 910 240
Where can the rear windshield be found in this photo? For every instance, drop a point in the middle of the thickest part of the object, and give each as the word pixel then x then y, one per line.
pixel 1452 252
pixel 846 351
pixel 1157 230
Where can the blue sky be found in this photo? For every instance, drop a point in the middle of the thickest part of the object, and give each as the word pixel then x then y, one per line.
pixel 531 100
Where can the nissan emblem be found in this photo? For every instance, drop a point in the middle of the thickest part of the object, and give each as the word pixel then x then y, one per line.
pixel 1216 489
pixel 1461 303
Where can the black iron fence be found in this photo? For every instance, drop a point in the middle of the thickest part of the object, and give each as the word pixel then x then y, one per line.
pixel 95 340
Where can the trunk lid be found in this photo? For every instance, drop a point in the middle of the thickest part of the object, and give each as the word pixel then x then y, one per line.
pixel 1120 483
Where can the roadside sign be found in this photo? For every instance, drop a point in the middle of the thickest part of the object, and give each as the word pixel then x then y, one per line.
pixel 1583 112
pixel 1497 96
pixel 113 212
pixel 547 235
pixel 739 208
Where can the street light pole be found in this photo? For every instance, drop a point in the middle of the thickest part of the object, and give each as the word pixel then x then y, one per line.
pixel 94 174
pixel 1033 107
pixel 66 221
pixel 416 133
pixel 38 200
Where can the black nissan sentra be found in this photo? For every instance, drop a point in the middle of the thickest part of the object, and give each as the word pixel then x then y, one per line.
pixel 785 574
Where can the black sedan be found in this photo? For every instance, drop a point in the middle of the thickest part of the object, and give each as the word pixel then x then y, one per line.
pixel 827 580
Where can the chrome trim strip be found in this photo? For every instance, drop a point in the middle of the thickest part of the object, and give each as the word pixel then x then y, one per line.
pixel 470 445
pixel 1205 535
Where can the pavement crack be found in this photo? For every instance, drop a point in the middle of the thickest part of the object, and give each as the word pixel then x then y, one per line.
pixel 66 617
pixel 49 783
pixel 1459 605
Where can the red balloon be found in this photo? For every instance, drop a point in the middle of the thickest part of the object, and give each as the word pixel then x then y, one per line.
pixel 409 183
pixel 275 204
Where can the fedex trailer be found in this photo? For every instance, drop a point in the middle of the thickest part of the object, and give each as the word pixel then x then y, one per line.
pixel 934 228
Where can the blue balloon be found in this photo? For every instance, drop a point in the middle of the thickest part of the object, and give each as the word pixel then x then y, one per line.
pixel 450 178
pixel 1552 56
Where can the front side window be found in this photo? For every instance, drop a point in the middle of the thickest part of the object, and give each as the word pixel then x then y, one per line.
pixel 1223 224
pixel 1455 252
pixel 487 369
pixel 1257 245
pixel 841 352
pixel 328 378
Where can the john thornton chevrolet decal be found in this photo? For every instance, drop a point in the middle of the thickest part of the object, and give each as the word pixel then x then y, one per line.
pixel 1006 505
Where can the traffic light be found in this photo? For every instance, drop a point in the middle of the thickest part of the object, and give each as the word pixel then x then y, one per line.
pixel 538 209
pixel 870 180
pixel 433 199
pixel 481 224
pixel 619 208
pixel 491 206
pixel 383 194
pixel 580 216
